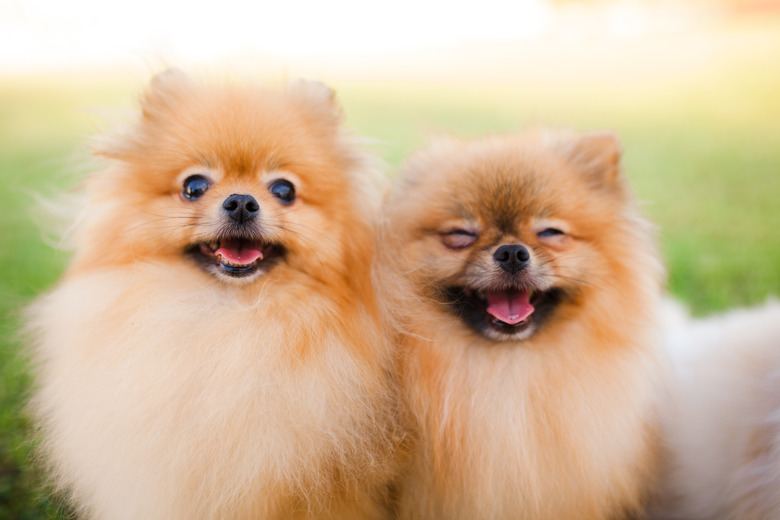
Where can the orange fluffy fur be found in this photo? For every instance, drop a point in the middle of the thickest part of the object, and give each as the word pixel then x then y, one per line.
pixel 558 424
pixel 164 391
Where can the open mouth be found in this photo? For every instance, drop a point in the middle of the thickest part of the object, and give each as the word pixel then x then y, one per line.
pixel 503 313
pixel 235 257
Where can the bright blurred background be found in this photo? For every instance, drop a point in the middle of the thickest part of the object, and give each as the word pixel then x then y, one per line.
pixel 692 88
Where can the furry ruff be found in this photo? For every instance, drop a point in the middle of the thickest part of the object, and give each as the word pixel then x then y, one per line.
pixel 200 362
pixel 546 415
pixel 722 420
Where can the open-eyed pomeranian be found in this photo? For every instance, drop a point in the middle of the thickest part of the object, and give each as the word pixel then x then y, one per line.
pixel 214 348
pixel 526 283
pixel 721 424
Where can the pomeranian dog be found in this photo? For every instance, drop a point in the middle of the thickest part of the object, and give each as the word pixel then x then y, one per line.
pixel 721 426
pixel 215 348
pixel 526 284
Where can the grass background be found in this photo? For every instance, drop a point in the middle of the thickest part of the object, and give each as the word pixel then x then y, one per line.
pixel 702 151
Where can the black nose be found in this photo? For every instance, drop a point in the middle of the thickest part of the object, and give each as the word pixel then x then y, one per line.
pixel 512 258
pixel 241 208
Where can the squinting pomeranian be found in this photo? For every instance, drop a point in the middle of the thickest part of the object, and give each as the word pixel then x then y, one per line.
pixel 214 349
pixel 721 424
pixel 526 283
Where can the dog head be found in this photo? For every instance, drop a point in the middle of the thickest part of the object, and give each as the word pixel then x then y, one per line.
pixel 504 235
pixel 233 179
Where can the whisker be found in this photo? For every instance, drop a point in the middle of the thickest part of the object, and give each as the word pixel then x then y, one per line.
pixel 557 259
pixel 579 280
pixel 313 230
pixel 299 234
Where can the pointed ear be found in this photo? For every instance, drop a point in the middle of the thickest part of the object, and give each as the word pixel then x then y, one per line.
pixel 598 155
pixel 318 96
pixel 163 91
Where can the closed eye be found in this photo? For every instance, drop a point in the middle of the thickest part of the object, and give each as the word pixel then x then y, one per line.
pixel 550 232
pixel 458 238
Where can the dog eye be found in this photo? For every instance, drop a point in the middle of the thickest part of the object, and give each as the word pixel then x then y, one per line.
pixel 458 238
pixel 283 190
pixel 549 232
pixel 195 186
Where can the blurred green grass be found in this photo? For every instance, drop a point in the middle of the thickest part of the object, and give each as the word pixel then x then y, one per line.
pixel 703 153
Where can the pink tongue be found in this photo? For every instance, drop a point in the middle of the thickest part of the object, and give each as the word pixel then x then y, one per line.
pixel 509 306
pixel 239 251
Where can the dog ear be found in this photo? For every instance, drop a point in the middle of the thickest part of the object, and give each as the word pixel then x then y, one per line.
pixel 163 92
pixel 160 97
pixel 598 156
pixel 318 96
